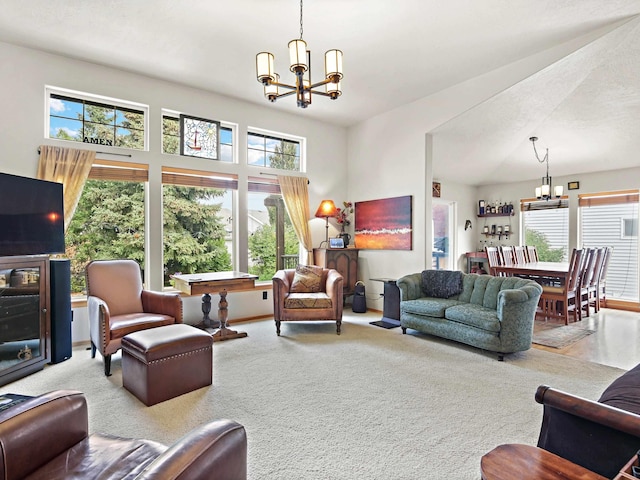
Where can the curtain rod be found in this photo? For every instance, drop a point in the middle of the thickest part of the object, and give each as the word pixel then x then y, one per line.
pixel 106 153
pixel 275 175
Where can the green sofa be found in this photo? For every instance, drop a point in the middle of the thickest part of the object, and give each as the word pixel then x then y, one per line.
pixel 491 313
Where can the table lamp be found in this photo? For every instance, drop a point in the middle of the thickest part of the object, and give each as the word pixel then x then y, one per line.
pixel 326 209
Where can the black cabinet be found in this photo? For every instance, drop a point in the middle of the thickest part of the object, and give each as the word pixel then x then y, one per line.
pixel 25 337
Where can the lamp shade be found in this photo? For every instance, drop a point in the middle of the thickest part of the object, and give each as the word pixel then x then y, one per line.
pixel 333 65
pixel 558 190
pixel 264 67
pixel 271 90
pixel 326 209
pixel 298 55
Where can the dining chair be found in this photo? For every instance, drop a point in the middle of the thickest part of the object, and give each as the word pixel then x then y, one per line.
pixel 588 272
pixel 520 252
pixel 558 301
pixel 507 255
pixel 532 253
pixel 592 287
pixel 493 258
pixel 602 280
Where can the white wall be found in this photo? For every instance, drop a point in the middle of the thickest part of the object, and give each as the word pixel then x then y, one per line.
pixel 392 155
pixel 25 73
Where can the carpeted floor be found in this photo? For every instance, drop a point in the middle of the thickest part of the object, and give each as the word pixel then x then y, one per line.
pixel 369 404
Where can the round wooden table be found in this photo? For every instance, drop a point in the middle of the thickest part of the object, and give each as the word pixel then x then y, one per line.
pixel 524 462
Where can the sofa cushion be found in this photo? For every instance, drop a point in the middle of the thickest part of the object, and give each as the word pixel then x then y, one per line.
pixel 307 300
pixel 475 316
pixel 441 283
pixel 307 279
pixel 624 392
pixel 432 307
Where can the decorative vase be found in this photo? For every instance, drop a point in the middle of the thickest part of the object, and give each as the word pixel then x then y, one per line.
pixel 345 238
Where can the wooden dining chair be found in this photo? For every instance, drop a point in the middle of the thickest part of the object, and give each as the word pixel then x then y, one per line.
pixel 507 256
pixel 520 252
pixel 493 258
pixel 592 287
pixel 532 253
pixel 588 279
pixel 602 279
pixel 558 301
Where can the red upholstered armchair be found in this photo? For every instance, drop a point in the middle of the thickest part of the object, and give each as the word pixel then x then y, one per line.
pixel 47 437
pixel 118 305
pixel 293 304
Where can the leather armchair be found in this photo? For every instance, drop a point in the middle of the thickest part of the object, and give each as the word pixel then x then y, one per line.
pixel 117 305
pixel 46 437
pixel 325 305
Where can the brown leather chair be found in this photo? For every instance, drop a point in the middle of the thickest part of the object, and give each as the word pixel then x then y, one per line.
pixel 324 305
pixel 118 305
pixel 47 437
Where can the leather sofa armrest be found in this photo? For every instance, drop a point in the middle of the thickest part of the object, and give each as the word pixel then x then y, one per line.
pixel 215 451
pixel 335 285
pixel 35 431
pixel 164 303
pixel 584 431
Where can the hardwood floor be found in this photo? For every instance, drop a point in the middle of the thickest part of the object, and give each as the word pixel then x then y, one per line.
pixel 616 341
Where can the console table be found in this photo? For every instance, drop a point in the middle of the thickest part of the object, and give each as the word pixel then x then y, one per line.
pixel 222 282
pixel 391 305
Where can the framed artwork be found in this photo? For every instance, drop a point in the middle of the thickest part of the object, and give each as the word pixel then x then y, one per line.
pixel 199 137
pixel 435 187
pixel 573 185
pixel 384 224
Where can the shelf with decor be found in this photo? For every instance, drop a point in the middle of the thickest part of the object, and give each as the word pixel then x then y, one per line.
pixel 495 215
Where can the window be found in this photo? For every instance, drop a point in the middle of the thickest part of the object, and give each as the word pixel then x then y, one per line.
pixel 611 219
pixel 273 243
pixel 546 225
pixel 81 117
pixel 197 220
pixel 109 220
pixel 271 151
pixel 171 138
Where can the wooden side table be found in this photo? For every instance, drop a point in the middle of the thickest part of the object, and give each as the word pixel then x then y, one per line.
pixel 525 462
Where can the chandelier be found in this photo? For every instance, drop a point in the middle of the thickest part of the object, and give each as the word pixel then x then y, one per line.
pixel 300 66
pixel 543 192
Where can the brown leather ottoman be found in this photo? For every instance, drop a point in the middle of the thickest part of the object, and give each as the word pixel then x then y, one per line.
pixel 164 362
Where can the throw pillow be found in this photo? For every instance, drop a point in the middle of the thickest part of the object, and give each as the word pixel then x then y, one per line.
pixel 441 283
pixel 307 279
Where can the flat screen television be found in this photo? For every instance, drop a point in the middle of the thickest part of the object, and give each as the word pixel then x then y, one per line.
pixel 31 216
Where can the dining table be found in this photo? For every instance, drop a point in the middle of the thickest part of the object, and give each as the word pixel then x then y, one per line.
pixel 541 272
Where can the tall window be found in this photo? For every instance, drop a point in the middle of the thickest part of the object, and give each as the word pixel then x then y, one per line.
pixel 273 151
pixel 273 243
pixel 109 220
pixel 197 219
pixel 81 117
pixel 171 138
pixel 545 224
pixel 611 219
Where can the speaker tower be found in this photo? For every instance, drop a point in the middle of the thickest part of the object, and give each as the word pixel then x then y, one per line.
pixel 61 314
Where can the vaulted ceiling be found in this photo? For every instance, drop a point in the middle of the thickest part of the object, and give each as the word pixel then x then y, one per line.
pixel 585 107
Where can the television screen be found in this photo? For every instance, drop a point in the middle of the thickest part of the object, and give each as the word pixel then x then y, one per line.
pixel 31 216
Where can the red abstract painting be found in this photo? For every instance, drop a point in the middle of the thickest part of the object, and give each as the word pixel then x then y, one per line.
pixel 384 224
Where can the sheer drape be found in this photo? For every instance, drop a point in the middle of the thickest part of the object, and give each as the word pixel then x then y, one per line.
pixel 296 198
pixel 70 167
